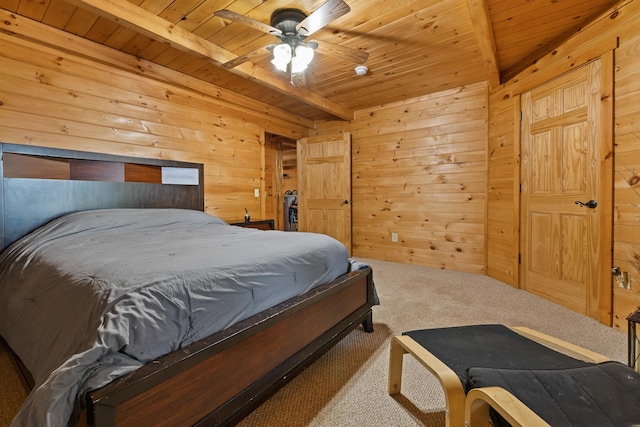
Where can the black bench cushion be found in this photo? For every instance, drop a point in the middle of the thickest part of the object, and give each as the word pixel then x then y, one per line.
pixel 606 394
pixel 491 346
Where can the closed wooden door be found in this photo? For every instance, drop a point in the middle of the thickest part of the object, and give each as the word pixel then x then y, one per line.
pixel 562 250
pixel 324 186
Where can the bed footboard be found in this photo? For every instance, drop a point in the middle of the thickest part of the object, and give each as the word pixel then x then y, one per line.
pixel 221 379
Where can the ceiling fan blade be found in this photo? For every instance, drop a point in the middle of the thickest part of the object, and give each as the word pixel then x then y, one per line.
pixel 261 26
pixel 348 53
pixel 245 57
pixel 332 9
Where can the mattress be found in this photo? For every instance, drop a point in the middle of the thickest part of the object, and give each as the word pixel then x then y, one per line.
pixel 93 295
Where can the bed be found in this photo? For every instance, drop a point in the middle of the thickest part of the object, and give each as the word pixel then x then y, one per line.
pixel 199 366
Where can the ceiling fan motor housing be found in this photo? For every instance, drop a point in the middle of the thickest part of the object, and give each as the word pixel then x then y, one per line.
pixel 286 20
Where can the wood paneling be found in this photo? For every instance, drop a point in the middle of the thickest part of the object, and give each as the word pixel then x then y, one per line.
pixel 419 170
pixel 502 237
pixel 601 36
pixel 518 27
pixel 438 169
pixel 415 47
pixel 57 99
pixel 626 251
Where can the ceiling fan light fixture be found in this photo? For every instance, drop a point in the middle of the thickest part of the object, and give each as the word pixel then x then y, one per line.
pixel 305 53
pixel 302 59
pixel 281 56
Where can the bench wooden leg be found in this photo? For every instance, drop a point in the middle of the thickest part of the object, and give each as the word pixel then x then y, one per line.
pixel 396 357
pixel 453 391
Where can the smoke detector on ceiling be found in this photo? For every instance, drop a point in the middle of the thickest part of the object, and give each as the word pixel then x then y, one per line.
pixel 361 70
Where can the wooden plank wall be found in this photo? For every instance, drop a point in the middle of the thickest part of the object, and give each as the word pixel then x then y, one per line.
pixel 626 219
pixel 426 168
pixel 502 221
pixel 52 97
pixel 617 30
pixel 419 170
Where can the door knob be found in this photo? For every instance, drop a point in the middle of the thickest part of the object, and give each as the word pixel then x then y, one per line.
pixel 591 204
pixel 346 202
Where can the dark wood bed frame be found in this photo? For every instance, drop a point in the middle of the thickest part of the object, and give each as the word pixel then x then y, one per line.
pixel 217 380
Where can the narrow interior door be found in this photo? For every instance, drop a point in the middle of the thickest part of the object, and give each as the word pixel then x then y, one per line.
pixel 561 176
pixel 324 186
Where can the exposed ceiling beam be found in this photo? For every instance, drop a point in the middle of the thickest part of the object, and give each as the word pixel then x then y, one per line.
pixel 153 26
pixel 481 20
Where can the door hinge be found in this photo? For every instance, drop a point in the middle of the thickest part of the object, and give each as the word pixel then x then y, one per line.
pixel 520 115
pixel 519 258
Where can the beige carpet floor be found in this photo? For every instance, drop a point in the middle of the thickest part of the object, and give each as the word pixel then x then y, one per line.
pixel 348 385
pixel 12 392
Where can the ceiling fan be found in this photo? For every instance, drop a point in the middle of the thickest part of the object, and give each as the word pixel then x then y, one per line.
pixel 292 27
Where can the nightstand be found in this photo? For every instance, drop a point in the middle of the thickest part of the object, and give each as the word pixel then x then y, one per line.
pixel 265 224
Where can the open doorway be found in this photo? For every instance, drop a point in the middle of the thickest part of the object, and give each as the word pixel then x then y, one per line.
pixel 281 176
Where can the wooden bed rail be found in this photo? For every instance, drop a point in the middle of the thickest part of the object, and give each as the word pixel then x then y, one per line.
pixel 219 380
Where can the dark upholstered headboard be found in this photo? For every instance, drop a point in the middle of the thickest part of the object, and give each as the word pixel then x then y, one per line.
pixel 39 184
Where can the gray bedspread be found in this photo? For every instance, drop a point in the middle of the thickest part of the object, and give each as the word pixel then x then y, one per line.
pixel 94 295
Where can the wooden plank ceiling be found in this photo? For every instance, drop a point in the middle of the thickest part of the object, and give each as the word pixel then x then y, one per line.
pixel 415 47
